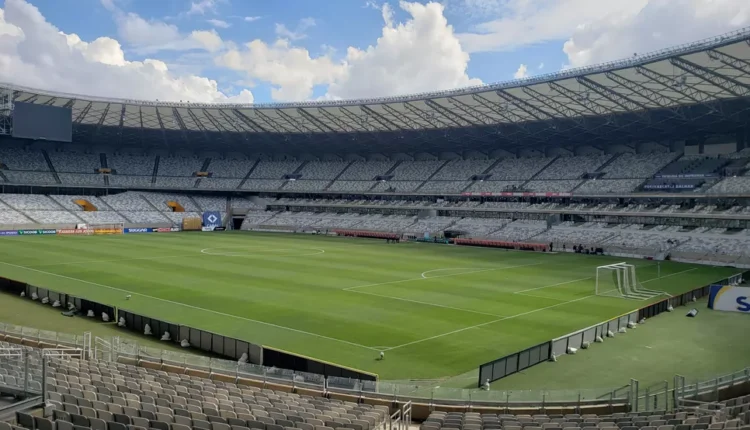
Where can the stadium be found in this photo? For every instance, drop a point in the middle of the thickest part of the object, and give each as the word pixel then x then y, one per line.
pixel 512 256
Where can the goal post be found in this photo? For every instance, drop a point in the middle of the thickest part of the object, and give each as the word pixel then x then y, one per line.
pixel 621 280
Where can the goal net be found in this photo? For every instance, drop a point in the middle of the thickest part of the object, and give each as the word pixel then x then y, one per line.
pixel 620 280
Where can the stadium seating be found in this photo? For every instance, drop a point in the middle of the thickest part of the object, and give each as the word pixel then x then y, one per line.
pixel 305 185
pixel 263 184
pixel 561 186
pixel 479 227
pixel 95 180
pixel 130 181
pixel 416 170
pixel 127 201
pixel 211 203
pixel 135 165
pixel 19 159
pixel 366 170
pixel 227 168
pixel 520 231
pixel 145 217
pixel 354 186
pixel 219 183
pixel 452 187
pixel 462 170
pixel 628 165
pixel 493 186
pixel 179 166
pixel 74 162
pixel 396 186
pixel 40 178
pixel 608 186
pixel 159 201
pixel 573 167
pixel 29 201
pixel 173 182
pixel 274 169
pixel 322 170
pixel 732 185
pixel 511 169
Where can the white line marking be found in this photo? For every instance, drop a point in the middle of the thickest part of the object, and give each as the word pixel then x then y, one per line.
pixel 489 322
pixel 356 287
pixel 553 285
pixel 114 261
pixel 470 270
pixel 539 297
pixel 671 274
pixel 191 306
pixel 425 303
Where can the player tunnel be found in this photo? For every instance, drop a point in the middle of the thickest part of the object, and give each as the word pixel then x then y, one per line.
pixel 86 205
pixel 176 207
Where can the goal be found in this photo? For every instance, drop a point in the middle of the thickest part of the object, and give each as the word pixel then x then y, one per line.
pixel 620 280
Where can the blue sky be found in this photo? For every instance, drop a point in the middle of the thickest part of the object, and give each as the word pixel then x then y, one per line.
pixel 289 50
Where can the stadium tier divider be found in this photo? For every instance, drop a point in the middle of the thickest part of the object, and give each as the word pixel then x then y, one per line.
pixel 202 340
pixel 519 361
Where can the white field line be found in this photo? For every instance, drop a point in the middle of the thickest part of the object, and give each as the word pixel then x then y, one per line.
pixel 191 306
pixel 489 322
pixel 553 285
pixel 115 261
pixel 522 314
pixel 425 303
pixel 539 297
pixel 356 287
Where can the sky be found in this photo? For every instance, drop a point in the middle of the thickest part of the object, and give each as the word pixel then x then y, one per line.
pixel 276 51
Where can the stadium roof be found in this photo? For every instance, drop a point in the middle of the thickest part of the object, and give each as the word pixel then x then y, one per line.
pixel 692 90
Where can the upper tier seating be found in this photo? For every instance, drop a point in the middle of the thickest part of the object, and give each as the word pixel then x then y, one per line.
pixel 89 179
pixel 448 187
pixel 462 170
pixel 130 181
pixel 573 167
pixel 219 183
pixel 731 185
pixel 322 169
pixel 366 170
pixel 262 184
pixel 511 169
pixel 20 159
pixel 607 186
pixel 128 201
pixel 179 166
pixel 397 186
pixel 73 162
pixel 493 186
pixel 356 186
pixel 226 168
pixel 416 170
pixel 304 185
pixel 553 186
pixel 240 203
pixel 638 165
pixel 125 164
pixel 172 182
pixel 274 169
pixel 40 178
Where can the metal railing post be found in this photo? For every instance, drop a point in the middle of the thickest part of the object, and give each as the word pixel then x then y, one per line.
pixel 26 372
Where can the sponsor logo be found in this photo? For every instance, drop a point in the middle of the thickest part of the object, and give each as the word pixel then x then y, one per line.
pixel 74 231
pixel 48 231
pixel 163 230
pixel 744 304
pixel 207 228
pixel 28 232
pixel 8 232
pixel 139 230
pixel 174 229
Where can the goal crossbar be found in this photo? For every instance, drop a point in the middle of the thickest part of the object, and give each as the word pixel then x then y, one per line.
pixel 621 280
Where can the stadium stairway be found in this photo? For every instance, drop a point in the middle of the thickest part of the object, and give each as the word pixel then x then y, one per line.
pixel 433 175
pixel 607 163
pixel 249 172
pixel 539 172
pixel 300 167
pixel 3 177
pixel 156 170
pixel 339 175
pixel 51 167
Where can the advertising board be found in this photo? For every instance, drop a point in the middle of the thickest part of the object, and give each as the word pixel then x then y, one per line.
pixel 729 298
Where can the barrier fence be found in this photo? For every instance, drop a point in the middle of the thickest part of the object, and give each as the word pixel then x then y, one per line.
pixel 518 361
pixel 202 340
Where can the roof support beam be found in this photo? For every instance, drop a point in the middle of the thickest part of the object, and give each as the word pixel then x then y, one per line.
pixel 320 125
pixel 479 117
pixel 249 122
pixel 50 101
pixel 161 126
pixel 648 93
pixel 345 128
pixel 692 93
pixel 579 99
pixel 456 119
pixel 525 106
pixel 122 115
pixel 552 104
pixel 362 121
pixel 100 122
pixel 83 113
pixel 293 122
pixel 430 117
pixel 729 60
pixel 183 129
pixel 627 104
pixel 400 115
pixel 380 119
pixel 69 104
pixel 726 83
pixel 198 124
pixel 270 121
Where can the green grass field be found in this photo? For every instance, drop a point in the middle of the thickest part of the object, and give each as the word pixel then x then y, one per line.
pixel 438 311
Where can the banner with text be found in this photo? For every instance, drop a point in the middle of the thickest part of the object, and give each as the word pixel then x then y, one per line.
pixel 211 220
pixel 729 298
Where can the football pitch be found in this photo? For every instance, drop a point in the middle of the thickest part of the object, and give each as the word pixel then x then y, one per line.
pixel 436 311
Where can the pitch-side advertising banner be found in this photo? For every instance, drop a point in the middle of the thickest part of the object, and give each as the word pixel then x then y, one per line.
pixel 211 219
pixel 139 230
pixel 8 232
pixel 729 298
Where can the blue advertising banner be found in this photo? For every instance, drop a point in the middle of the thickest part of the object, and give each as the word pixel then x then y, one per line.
pixel 139 230
pixel 211 219
pixel 8 232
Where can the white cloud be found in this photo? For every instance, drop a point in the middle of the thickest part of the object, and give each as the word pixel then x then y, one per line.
pixel 541 66
pixel 421 54
pixel 219 23
pixel 298 33
pixel 518 23
pixel 522 72
pixel 251 18
pixel 201 7
pixel 35 53
pixel 660 24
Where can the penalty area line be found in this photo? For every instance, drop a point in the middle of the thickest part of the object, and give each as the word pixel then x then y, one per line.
pixel 191 306
pixel 489 322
